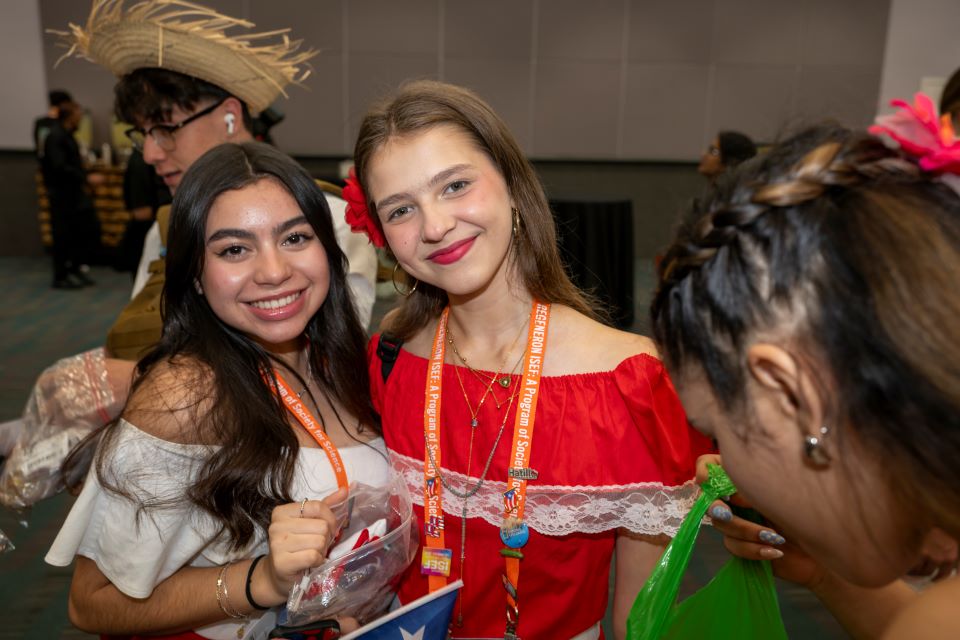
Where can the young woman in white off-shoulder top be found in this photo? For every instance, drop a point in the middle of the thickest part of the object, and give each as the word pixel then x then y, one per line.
pixel 212 493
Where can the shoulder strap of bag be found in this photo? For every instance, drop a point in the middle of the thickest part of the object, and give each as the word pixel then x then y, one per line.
pixel 388 349
pixel 163 222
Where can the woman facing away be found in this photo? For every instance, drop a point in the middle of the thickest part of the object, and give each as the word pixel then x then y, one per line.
pixel 208 497
pixel 551 439
pixel 808 315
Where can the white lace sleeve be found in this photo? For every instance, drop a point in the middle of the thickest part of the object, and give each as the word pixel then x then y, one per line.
pixel 646 508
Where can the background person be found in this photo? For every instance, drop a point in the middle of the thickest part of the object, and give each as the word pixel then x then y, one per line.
pixel 41 126
pixel 73 221
pixel 728 149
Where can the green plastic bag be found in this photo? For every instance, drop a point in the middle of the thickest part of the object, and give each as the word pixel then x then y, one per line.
pixel 740 603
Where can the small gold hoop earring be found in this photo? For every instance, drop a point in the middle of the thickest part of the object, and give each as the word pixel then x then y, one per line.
pixel 393 277
pixel 516 222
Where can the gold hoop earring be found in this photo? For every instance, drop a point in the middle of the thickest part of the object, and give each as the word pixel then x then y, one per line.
pixel 396 286
pixel 814 450
pixel 516 222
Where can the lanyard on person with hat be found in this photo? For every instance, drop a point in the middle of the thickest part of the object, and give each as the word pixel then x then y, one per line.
pixel 299 410
pixel 436 558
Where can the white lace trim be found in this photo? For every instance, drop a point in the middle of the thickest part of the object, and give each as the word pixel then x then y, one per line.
pixel 647 508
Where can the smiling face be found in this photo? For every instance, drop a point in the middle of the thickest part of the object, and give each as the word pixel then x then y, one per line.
pixel 842 514
pixel 265 271
pixel 445 210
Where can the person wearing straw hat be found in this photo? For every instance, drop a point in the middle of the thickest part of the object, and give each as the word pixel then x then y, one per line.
pixel 186 86
pixel 177 66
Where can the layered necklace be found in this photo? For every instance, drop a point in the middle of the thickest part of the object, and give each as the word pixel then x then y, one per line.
pixel 486 378
pixel 504 380
pixel 436 558
pixel 488 381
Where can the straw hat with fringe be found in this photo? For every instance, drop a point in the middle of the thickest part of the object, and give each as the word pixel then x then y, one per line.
pixel 191 39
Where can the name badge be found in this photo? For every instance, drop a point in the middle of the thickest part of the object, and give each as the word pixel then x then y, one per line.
pixel 522 473
pixel 436 562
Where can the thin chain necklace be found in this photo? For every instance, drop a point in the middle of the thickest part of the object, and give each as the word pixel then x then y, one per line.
pixel 474 413
pixel 485 378
pixel 464 495
pixel 488 379
pixel 307 379
pixel 472 491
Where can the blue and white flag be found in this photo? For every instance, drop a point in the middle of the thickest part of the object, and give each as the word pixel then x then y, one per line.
pixel 427 618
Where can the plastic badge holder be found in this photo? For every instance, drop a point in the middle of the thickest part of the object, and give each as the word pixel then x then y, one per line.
pixel 739 603
pixel 361 582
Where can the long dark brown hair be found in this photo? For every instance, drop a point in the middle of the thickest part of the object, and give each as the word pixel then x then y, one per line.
pixel 254 467
pixel 850 251
pixel 424 104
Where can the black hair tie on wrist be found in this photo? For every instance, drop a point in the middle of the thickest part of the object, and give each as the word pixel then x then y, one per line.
pixel 253 603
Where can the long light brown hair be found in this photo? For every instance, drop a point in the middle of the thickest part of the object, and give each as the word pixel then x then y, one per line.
pixel 422 105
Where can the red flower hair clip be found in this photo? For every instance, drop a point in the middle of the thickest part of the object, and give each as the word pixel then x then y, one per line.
pixel 923 134
pixel 358 214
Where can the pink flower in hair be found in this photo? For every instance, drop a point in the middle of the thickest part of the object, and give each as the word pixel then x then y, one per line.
pixel 358 214
pixel 922 133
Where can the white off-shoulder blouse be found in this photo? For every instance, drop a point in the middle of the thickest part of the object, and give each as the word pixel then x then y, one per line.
pixel 137 553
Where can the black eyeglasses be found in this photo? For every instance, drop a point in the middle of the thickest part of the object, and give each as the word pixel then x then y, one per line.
pixel 162 134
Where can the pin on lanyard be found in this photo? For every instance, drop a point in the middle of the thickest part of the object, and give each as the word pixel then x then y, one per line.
pixel 300 411
pixel 514 533
pixel 436 558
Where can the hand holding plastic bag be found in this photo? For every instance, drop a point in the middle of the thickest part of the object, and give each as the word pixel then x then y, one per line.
pixel 376 544
pixel 740 603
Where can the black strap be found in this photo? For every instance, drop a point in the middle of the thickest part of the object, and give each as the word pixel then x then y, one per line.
pixel 388 349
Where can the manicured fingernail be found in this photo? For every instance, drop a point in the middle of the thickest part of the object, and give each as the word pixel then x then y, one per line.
pixel 771 538
pixel 768 553
pixel 721 512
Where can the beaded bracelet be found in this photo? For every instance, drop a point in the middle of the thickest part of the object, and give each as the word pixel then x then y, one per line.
pixel 253 603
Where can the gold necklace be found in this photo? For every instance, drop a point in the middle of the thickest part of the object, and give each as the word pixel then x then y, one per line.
pixel 472 491
pixel 485 378
pixel 465 496
pixel 473 413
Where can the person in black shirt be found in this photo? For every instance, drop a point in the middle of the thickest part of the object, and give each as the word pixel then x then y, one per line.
pixel 143 193
pixel 42 125
pixel 73 219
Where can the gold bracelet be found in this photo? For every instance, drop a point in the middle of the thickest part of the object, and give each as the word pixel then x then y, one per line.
pixel 223 596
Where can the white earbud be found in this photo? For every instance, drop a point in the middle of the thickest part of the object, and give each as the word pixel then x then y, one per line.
pixel 230 119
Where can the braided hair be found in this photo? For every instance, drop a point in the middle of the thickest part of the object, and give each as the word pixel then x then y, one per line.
pixel 845 249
